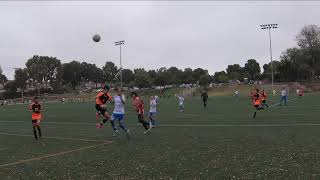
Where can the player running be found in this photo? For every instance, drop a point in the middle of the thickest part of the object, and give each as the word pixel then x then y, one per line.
pixel 36 116
pixel 138 105
pixel 256 102
pixel 284 96
pixel 204 97
pixel 101 99
pixel 181 103
pixel 153 111
pixel 264 99
pixel 118 113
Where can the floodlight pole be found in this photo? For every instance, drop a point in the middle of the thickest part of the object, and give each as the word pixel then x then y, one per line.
pixel 269 27
pixel 119 43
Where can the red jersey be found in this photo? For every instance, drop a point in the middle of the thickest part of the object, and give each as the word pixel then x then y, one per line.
pixel 138 105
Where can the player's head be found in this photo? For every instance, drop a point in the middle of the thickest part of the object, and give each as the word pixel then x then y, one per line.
pixel 256 90
pixel 106 88
pixel 36 100
pixel 152 97
pixel 119 91
pixel 134 94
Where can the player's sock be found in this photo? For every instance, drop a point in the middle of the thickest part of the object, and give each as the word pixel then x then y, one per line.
pixel 113 126
pixel 39 130
pixel 145 124
pixel 255 113
pixel 35 133
pixel 103 122
pixel 122 126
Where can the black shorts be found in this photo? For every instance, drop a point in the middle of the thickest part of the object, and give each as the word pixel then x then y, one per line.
pixel 256 106
pixel 140 117
pixel 100 110
pixel 34 122
pixel 204 100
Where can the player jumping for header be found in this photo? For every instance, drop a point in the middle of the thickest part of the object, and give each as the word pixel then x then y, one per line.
pixel 36 116
pixel 118 113
pixel 101 99
pixel 138 105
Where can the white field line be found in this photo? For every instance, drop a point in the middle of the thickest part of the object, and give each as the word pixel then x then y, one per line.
pixel 53 155
pixel 181 125
pixel 59 138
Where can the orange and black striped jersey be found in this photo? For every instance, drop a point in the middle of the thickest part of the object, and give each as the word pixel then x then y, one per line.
pixel 256 99
pixel 102 98
pixel 263 96
pixel 35 108
pixel 138 105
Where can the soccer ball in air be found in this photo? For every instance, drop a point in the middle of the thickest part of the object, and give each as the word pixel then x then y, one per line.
pixel 96 38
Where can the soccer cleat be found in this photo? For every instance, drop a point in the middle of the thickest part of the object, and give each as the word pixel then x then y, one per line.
pixel 128 134
pixel 147 131
pixel 116 133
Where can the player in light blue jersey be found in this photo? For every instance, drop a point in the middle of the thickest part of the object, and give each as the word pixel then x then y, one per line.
pixel 118 113
pixel 153 111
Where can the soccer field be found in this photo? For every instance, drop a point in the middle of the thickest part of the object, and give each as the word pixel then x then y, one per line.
pixel 220 142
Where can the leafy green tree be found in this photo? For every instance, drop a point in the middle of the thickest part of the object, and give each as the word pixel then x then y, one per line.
pixel 127 76
pixel 43 69
pixel 205 80
pixel 110 70
pixel 21 78
pixel 234 72
pixel 174 75
pixel 252 67
pixel 197 73
pixel 162 77
pixel 187 76
pixel 71 73
pixel 141 78
pixel 309 41
pixel 220 77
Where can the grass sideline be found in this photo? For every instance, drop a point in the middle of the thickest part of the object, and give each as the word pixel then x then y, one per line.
pixel 220 142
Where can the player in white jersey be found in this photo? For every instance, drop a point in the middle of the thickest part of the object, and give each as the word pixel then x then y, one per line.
pixel 118 113
pixel 236 93
pixel 181 103
pixel 153 111
pixel 284 96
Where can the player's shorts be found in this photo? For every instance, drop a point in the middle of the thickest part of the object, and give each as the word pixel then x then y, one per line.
pixel 100 110
pixel 256 106
pixel 283 98
pixel 116 116
pixel 204 99
pixel 35 122
pixel 152 113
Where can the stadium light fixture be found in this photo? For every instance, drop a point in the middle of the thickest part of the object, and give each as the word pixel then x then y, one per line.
pixel 120 43
pixel 269 27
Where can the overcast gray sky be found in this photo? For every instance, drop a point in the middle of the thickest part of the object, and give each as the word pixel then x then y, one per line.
pixel 208 34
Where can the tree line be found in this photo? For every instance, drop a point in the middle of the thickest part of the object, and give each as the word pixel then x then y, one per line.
pixel 295 64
